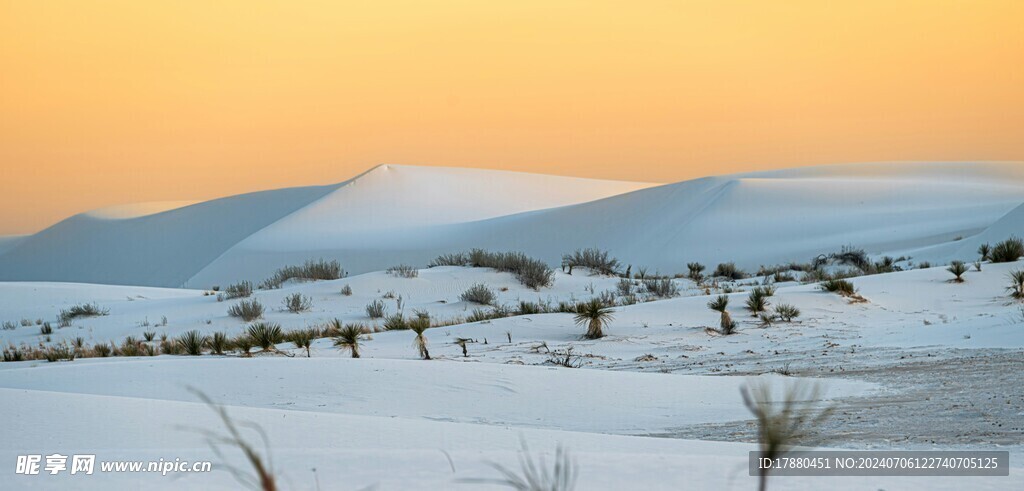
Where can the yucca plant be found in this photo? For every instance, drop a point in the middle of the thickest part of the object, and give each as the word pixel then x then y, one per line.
pixel 395 322
pixel 266 335
pixel 757 301
pixel 985 251
pixel 1016 287
pixel 349 338
pixel 595 315
pixel 536 476
pixel 720 304
pixel 696 272
pixel 192 342
pixel 419 325
pixel 219 342
pixel 303 339
pixel 783 424
pixel 243 344
pixel 958 268
pixel 1008 250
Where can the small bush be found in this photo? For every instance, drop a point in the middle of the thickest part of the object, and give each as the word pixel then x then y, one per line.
pixel 238 290
pixel 624 287
pixel 842 287
pixel 403 271
pixel 266 335
pixel 346 291
pixel 1016 287
pixel 1008 250
pixel 192 342
pixel 375 309
pixel 309 271
pixel 595 259
pixel 60 352
pixel 529 308
pixel 957 268
pixel 46 329
pixel 247 310
pixel 297 302
pixel 243 344
pixel 83 310
pixel 786 312
pixel 662 288
pixel 9 326
pixel 101 350
pixel 532 273
pixel 478 293
pixel 729 271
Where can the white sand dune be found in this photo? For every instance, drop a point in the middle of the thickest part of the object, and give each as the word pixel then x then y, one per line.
pixel 396 214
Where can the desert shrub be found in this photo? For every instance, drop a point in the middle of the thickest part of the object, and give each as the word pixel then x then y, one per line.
pixel 532 273
pixel 375 309
pixel 349 338
pixel 238 290
pixel 170 347
pixel 247 310
pixel 395 322
pixel 310 270
pixel 101 350
pixel 842 287
pixel 1016 287
pixel 595 259
pixel 957 268
pixel 192 342
pixel 663 288
pixel 456 259
pixel 624 287
pixel 985 251
pixel 757 300
pixel 346 291
pixel 529 308
pixel 297 302
pixel 13 353
pixel 595 315
pixel 782 276
pixel 730 271
pixel 565 358
pixel 148 336
pixel 265 335
pixel 25 323
pixel 9 326
pixel 219 343
pixel 852 256
pixel 83 310
pixel 924 265
pixel 46 329
pixel 403 271
pixel 1008 250
pixel 786 312
pixel 630 299
pixel 478 293
pixel 60 352
pixel 696 272
pixel 885 265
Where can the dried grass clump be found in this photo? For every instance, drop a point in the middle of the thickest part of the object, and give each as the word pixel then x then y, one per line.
pixel 247 310
pixel 309 271
pixel 594 259
pixel 479 293
pixel 403 271
pixel 297 302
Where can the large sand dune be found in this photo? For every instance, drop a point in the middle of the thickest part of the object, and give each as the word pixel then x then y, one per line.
pixel 408 214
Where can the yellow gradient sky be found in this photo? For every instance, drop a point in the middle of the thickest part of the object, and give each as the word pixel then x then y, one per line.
pixel 105 102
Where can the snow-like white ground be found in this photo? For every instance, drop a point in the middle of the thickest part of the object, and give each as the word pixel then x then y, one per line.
pixel 393 214
pixel 392 421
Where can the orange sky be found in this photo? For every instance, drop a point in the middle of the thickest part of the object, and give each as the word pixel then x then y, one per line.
pixel 107 102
